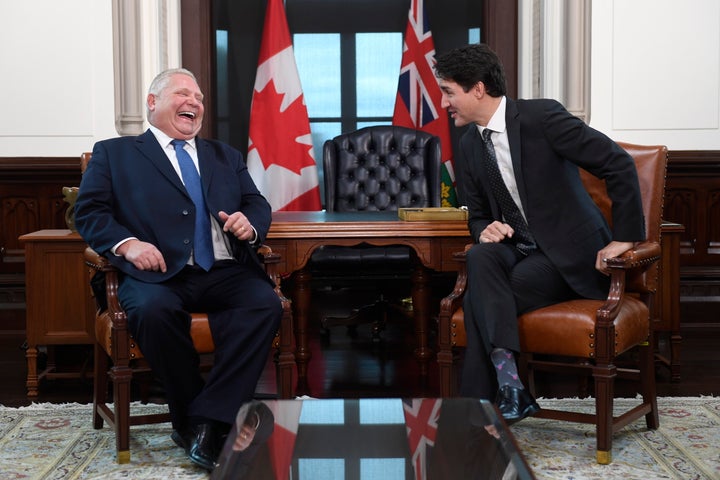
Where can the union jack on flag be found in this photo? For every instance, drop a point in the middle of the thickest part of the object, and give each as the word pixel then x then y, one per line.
pixel 418 101
pixel 421 421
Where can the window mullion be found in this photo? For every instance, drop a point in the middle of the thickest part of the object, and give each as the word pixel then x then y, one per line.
pixel 348 82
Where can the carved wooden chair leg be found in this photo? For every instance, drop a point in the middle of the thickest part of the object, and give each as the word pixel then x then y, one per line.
pixel 604 375
pixel 100 385
pixel 647 384
pixel 121 377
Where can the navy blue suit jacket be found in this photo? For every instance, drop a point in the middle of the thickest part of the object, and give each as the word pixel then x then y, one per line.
pixel 130 189
pixel 547 145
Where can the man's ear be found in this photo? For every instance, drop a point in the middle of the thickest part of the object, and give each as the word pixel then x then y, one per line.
pixel 479 89
pixel 151 101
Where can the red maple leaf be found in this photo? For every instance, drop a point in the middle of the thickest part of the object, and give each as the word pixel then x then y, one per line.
pixel 275 133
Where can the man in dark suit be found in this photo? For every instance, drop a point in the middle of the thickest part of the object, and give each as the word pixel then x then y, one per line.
pixel 185 243
pixel 539 237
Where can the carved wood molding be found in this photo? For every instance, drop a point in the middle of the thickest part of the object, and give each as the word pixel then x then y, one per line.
pixel 696 162
pixel 37 169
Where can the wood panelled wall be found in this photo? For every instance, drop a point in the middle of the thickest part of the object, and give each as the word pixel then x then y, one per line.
pixel 693 198
pixel 31 199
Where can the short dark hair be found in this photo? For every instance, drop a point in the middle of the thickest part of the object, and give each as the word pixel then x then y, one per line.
pixel 471 64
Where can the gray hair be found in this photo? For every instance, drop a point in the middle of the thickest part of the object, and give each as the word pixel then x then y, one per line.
pixel 163 78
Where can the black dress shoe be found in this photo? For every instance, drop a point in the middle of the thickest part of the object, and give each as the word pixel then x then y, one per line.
pixel 203 450
pixel 183 438
pixel 515 404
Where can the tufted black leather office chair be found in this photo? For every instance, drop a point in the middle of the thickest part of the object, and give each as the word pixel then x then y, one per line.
pixel 377 168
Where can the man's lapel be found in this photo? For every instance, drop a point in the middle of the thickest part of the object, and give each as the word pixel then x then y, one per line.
pixel 512 122
pixel 205 160
pixel 148 145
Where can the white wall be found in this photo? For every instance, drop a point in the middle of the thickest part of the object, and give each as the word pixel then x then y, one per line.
pixel 57 76
pixel 655 74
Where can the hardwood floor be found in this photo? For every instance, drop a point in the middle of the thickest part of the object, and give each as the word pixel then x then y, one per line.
pixel 353 366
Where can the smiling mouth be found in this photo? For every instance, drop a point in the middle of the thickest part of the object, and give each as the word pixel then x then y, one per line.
pixel 189 115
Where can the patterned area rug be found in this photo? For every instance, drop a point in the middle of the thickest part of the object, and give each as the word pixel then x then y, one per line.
pixel 58 442
pixel 686 446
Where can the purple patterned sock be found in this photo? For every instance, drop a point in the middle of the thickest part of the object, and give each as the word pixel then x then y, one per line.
pixel 506 368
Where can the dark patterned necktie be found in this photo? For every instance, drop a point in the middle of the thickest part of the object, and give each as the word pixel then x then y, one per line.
pixel 522 237
pixel 202 248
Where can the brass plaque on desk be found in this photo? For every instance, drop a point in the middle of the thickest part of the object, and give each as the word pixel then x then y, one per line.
pixel 432 213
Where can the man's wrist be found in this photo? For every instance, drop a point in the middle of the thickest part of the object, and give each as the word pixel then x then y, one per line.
pixel 114 249
pixel 256 238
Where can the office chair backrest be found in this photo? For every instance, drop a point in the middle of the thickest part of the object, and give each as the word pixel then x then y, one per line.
pixel 382 167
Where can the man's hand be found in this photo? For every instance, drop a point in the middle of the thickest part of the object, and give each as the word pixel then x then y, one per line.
pixel 611 250
pixel 238 225
pixel 496 232
pixel 144 255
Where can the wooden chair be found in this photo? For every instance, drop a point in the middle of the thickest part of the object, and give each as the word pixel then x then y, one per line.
pixel 586 336
pixel 117 356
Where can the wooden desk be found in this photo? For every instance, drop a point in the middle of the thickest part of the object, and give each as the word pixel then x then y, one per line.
pixel 295 235
pixel 60 308
pixel 666 315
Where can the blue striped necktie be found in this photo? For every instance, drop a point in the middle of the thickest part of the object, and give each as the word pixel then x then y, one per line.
pixel 203 247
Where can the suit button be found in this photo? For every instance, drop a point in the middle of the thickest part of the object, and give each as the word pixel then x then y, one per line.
pixel 186 241
pixel 185 212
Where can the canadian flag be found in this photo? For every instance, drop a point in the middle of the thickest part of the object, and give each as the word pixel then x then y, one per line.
pixel 282 441
pixel 280 154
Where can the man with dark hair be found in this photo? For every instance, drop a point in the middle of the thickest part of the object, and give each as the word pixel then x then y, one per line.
pixel 181 218
pixel 539 237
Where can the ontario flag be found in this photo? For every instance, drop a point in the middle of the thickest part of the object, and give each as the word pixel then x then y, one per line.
pixel 280 153
pixel 421 421
pixel 418 100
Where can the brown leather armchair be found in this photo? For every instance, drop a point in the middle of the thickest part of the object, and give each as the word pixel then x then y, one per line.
pixel 117 357
pixel 376 168
pixel 587 336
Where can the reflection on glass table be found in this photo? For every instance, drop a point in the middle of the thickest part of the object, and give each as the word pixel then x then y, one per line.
pixel 371 439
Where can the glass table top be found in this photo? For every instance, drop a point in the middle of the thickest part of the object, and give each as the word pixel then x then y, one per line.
pixel 370 439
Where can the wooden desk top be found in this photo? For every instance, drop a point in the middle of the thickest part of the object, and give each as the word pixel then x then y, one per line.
pixel 324 224
pixel 50 236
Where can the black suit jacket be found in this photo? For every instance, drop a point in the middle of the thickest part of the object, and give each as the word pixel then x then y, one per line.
pixel 547 145
pixel 130 189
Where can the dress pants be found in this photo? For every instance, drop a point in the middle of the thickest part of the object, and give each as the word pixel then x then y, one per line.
pixel 244 314
pixel 502 283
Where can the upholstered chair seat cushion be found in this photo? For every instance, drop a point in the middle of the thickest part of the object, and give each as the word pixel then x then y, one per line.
pixel 199 331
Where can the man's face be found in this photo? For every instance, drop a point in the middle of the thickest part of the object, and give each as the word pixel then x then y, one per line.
pixel 461 105
pixel 178 110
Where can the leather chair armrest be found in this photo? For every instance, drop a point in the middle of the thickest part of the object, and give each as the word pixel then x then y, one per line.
pixel 642 255
pixel 639 265
pixel 96 261
pixel 625 278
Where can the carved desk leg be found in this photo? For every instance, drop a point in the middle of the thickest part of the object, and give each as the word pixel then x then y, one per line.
pixel 421 313
pixel 301 307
